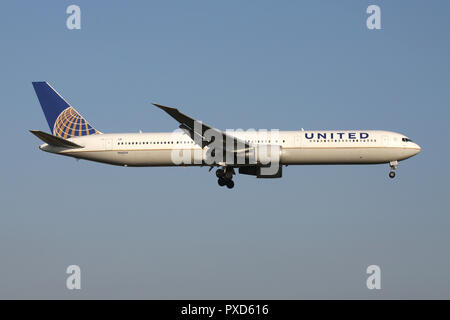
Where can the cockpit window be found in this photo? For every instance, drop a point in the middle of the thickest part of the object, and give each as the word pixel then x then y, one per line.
pixel 406 140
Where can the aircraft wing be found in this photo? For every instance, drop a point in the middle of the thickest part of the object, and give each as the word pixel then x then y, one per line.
pixel 198 129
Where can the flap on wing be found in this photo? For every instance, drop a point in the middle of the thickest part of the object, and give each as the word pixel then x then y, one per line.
pixel 54 140
pixel 197 128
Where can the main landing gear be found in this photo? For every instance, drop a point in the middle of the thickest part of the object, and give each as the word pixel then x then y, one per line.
pixel 225 177
pixel 393 165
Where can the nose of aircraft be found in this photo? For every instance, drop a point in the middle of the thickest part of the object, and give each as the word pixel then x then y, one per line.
pixel 416 148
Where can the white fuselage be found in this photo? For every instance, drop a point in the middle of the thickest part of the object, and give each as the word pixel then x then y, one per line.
pixel 296 147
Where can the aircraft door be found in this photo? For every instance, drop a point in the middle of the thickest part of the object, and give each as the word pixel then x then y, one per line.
pixel 298 140
pixel 108 144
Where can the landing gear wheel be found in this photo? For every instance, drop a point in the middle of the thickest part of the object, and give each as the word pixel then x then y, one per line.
pixel 222 182
pixel 220 173
pixel 229 174
pixel 393 164
pixel 225 176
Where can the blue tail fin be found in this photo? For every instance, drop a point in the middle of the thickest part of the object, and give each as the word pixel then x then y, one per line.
pixel 64 121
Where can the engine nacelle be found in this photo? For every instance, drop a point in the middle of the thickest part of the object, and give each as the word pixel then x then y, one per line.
pixel 262 172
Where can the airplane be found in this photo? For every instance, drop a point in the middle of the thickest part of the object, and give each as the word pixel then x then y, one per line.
pixel 258 153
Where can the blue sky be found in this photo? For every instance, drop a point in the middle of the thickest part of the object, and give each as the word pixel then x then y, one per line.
pixel 172 232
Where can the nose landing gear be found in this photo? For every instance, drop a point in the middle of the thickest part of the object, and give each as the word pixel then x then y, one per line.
pixel 393 165
pixel 225 177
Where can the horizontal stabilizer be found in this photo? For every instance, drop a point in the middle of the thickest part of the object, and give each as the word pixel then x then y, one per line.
pixel 54 140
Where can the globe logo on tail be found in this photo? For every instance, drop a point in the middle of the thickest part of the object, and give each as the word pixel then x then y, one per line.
pixel 71 124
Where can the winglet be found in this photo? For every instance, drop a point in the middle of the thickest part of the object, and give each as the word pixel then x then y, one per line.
pixel 165 108
pixel 177 115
